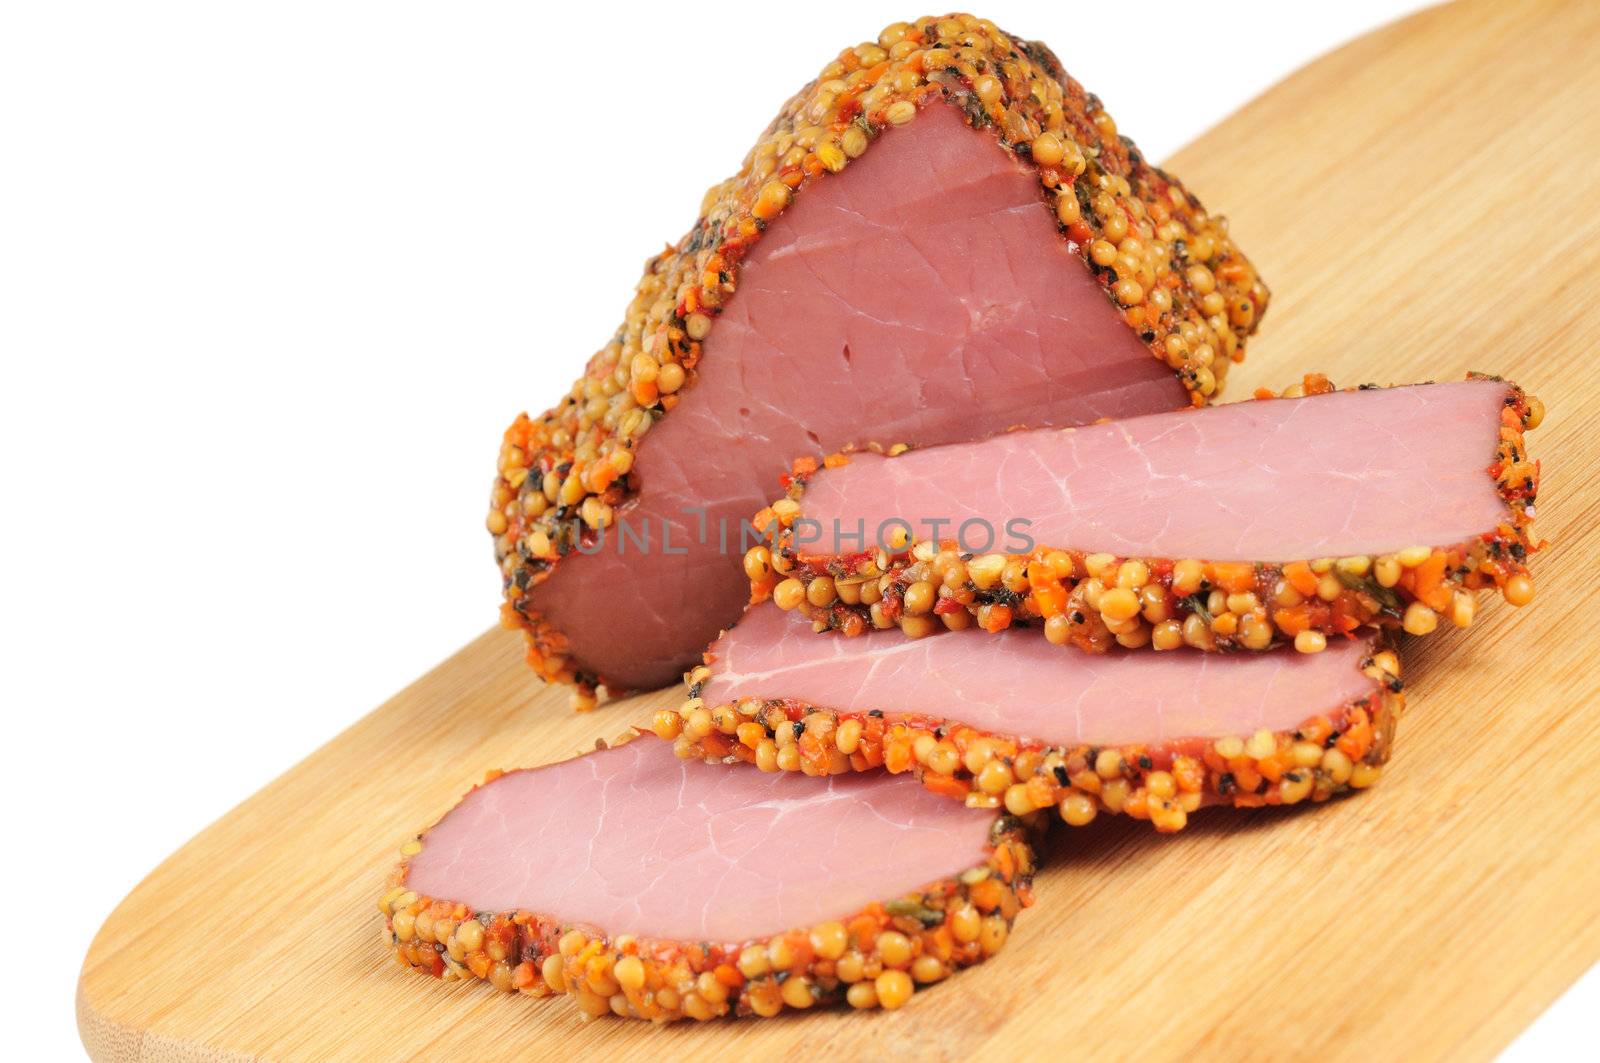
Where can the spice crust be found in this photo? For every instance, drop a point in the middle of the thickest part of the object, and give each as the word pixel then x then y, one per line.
pixel 874 958
pixel 1167 264
pixel 1097 600
pixel 1330 753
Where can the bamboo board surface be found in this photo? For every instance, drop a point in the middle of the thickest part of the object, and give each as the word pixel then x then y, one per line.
pixel 1424 201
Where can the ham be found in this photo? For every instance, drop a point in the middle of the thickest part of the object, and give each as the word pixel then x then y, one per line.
pixel 906 258
pixel 1010 719
pixel 1238 526
pixel 659 888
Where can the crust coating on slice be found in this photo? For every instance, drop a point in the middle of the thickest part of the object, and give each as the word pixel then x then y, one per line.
pixel 1209 605
pixel 1330 753
pixel 1168 265
pixel 877 957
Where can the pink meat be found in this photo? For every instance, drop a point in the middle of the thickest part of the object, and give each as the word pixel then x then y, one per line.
pixel 632 840
pixel 1017 684
pixel 1353 472
pixel 923 296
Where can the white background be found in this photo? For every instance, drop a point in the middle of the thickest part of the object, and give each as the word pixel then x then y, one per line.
pixel 273 277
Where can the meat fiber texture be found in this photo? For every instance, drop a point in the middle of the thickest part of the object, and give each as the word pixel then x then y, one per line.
pixel 923 297
pixel 1346 473
pixel 632 840
pixel 1020 720
pixel 1233 527
pixel 626 872
pixel 904 259
pixel 1018 686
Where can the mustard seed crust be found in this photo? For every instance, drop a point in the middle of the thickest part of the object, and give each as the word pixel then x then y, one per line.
pixel 1330 753
pixel 1167 264
pixel 1095 601
pixel 876 957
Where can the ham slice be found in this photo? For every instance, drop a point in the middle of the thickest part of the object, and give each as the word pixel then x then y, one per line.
pixel 934 280
pixel 658 888
pixel 1239 526
pixel 1011 720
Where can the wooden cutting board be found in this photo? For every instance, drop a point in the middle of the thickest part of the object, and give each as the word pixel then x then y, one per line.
pixel 1424 201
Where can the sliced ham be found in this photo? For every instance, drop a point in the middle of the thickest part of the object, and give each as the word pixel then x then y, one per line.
pixel 656 887
pixel 938 289
pixel 1011 719
pixel 1238 526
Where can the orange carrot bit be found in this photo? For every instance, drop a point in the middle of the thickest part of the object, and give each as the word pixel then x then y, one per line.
pixel 1343 614
pixel 864 930
pixel 995 618
pixel 1049 600
pixel 1430 588
pixel 1292 621
pixel 1005 863
pixel 947 785
pixel 1357 738
pixel 1301 578
pixel 644 392
pixel 940 942
pixel 1316 730
pixel 1245 774
pixel 716 744
pixel 1235 577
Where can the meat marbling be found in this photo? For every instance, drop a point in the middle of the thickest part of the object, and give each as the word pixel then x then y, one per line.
pixel 1422 493
pixel 1222 727
pixel 927 294
pixel 693 862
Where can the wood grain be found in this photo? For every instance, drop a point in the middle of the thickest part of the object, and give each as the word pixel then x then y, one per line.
pixel 1424 201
